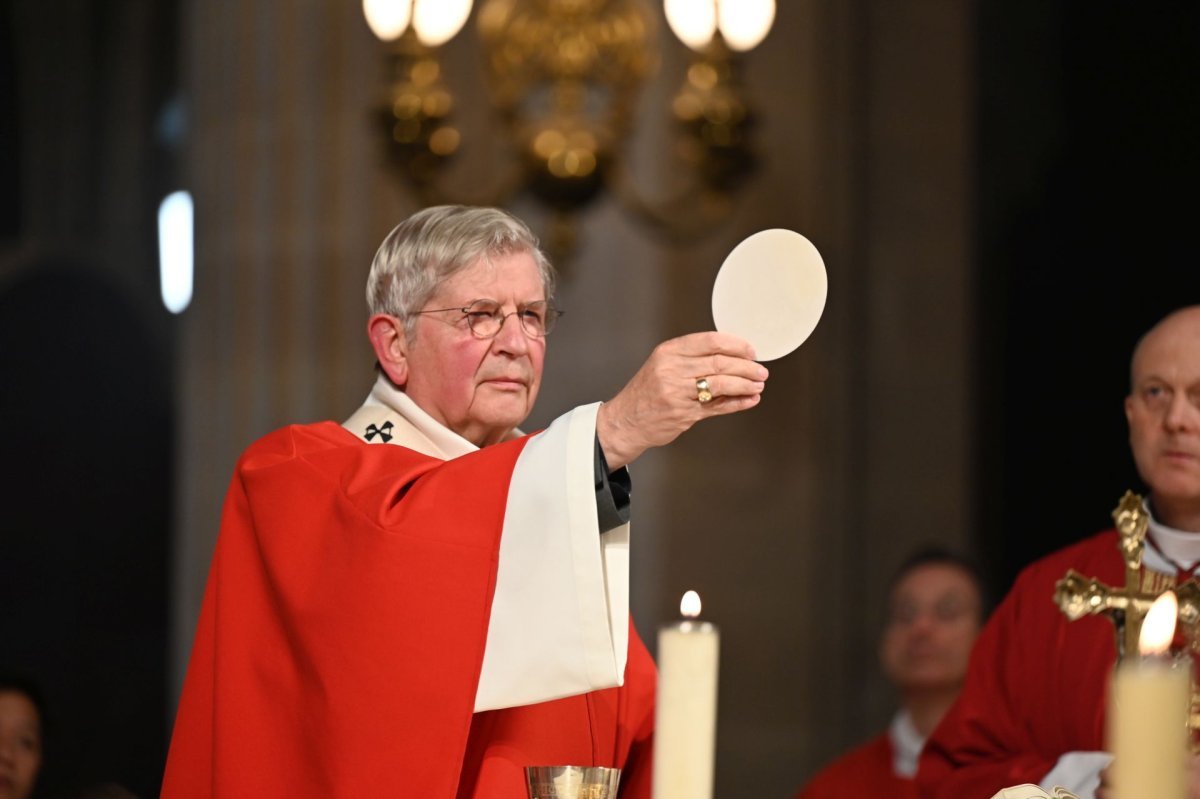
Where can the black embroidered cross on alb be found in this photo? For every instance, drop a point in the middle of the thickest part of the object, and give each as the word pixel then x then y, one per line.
pixel 383 432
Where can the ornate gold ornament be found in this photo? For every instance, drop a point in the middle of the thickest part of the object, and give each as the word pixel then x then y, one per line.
pixel 1078 596
pixel 563 79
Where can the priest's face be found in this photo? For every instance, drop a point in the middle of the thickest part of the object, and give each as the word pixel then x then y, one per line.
pixel 481 388
pixel 934 616
pixel 1163 411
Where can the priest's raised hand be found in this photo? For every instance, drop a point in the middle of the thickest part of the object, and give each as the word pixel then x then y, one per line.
pixel 684 380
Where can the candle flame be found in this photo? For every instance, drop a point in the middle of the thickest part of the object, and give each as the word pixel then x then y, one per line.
pixel 1158 628
pixel 689 606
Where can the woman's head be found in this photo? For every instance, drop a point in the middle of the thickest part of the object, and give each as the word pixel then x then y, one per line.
pixel 21 715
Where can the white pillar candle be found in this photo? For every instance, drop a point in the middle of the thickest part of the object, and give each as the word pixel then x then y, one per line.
pixel 685 726
pixel 1148 714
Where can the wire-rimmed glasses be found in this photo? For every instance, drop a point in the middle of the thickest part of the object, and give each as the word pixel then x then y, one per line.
pixel 486 318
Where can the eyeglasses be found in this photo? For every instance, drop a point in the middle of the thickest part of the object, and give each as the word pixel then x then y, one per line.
pixel 486 317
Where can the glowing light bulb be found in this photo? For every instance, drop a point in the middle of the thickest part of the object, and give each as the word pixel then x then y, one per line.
pixel 693 21
pixel 745 23
pixel 437 21
pixel 387 18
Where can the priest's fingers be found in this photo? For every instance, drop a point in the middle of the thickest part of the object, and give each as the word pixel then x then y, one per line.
pixel 715 365
pixel 683 381
pixel 670 375
pixel 723 386
pixel 704 355
pixel 707 344
pixel 720 406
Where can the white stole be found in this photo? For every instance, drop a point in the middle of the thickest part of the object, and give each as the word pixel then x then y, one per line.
pixel 559 622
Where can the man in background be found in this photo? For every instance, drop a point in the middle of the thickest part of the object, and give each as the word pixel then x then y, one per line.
pixel 1033 706
pixel 935 609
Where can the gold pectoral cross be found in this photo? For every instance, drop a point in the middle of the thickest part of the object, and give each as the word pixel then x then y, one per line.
pixel 1078 596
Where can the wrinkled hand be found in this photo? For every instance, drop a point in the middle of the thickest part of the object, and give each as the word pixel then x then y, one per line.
pixel 1105 789
pixel 660 402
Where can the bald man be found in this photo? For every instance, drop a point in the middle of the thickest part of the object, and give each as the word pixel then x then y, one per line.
pixel 1032 709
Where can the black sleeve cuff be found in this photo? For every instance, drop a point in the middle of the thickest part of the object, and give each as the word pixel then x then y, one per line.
pixel 612 493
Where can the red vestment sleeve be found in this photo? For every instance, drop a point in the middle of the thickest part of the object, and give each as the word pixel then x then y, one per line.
pixel 1035 688
pixel 343 622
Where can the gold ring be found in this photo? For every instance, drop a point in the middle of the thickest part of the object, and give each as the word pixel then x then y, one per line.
pixel 703 395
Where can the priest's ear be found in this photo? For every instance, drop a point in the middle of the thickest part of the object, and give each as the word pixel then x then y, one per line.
pixel 390 343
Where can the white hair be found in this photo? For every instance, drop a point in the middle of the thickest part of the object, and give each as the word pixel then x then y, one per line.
pixel 429 247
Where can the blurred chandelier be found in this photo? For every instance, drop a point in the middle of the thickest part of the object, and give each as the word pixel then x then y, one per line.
pixel 563 77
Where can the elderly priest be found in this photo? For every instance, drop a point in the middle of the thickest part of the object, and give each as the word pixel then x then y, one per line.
pixel 423 600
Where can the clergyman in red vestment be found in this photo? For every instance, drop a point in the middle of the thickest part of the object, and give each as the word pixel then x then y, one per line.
pixel 935 609
pixel 422 601
pixel 1033 706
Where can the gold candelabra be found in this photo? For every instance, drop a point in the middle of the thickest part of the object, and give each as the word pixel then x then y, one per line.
pixel 563 78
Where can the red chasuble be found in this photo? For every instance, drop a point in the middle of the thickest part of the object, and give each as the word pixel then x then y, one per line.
pixel 863 772
pixel 342 631
pixel 1037 683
